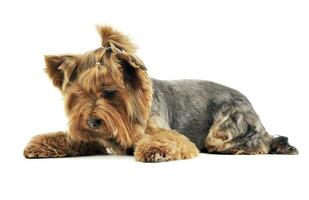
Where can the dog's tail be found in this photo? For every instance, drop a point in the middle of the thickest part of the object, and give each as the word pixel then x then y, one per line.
pixel 280 145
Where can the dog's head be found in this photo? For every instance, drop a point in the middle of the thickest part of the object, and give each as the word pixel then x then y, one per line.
pixel 107 91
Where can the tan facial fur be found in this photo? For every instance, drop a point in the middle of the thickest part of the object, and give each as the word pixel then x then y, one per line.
pixel 110 84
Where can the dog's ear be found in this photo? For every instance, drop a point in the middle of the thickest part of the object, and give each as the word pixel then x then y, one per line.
pixel 60 68
pixel 130 58
pixel 133 68
pixel 110 36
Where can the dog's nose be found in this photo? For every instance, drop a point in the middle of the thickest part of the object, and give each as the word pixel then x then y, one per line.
pixel 93 122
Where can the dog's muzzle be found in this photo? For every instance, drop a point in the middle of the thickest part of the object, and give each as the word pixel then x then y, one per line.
pixel 94 123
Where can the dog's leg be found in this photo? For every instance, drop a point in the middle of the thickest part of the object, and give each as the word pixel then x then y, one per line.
pixel 164 145
pixel 228 138
pixel 56 145
pixel 238 130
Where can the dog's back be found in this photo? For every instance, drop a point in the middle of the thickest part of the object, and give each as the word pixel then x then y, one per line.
pixel 190 106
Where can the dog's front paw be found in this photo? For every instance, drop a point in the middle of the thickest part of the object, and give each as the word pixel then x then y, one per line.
pixel 155 153
pixel 47 146
pixel 159 149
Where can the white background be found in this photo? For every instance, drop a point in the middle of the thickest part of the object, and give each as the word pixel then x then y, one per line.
pixel 258 47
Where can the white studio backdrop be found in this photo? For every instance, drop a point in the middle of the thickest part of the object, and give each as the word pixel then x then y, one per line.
pixel 260 48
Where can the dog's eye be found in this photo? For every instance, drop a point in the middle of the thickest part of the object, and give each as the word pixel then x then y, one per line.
pixel 108 93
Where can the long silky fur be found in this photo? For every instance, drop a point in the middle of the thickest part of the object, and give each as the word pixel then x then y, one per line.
pixel 84 78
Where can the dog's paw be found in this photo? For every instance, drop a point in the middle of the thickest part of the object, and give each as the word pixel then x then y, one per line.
pixel 164 146
pixel 37 151
pixel 45 146
pixel 280 145
pixel 154 153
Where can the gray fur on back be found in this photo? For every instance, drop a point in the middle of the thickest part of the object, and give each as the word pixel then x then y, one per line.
pixel 191 106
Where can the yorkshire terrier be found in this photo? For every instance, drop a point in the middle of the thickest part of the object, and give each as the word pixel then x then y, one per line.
pixel 113 106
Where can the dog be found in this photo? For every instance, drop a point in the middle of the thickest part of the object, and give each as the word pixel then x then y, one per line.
pixel 113 106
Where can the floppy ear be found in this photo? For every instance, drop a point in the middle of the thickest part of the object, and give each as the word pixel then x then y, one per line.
pixel 111 36
pixel 60 68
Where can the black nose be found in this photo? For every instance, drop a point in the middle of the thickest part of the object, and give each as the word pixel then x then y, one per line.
pixel 93 122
